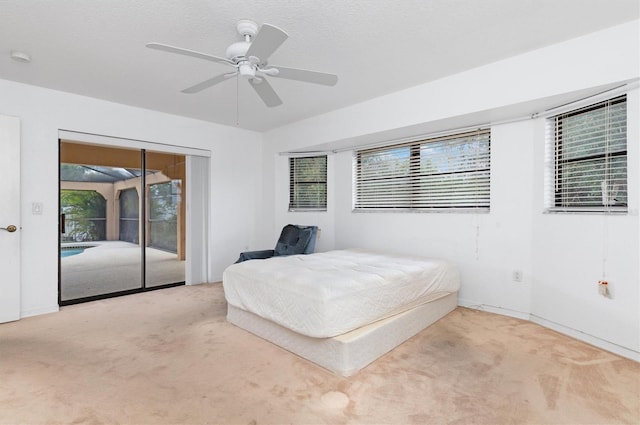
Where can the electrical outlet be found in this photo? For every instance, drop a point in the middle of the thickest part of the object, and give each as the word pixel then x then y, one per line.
pixel 516 276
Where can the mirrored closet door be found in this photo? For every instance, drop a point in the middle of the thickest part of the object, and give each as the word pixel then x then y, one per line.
pixel 122 221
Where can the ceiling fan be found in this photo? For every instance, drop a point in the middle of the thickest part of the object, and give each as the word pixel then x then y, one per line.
pixel 249 58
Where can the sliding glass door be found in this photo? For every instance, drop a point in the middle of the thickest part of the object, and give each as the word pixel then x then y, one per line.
pixel 121 221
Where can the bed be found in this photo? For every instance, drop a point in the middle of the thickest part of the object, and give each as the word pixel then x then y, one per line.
pixel 340 309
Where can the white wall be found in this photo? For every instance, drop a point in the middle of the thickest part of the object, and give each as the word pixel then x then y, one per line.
pixel 571 253
pixel 235 168
pixel 487 247
pixel 559 277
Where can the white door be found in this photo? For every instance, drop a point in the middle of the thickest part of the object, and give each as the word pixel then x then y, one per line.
pixel 9 218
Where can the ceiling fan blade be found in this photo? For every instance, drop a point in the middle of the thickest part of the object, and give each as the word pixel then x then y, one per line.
pixel 206 84
pixel 267 41
pixel 187 52
pixel 306 76
pixel 266 92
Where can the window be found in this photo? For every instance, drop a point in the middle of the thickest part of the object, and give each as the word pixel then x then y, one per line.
pixel 590 157
pixel 308 183
pixel 445 173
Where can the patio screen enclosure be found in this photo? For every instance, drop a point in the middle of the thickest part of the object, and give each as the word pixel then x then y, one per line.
pixel 129 216
pixel 122 221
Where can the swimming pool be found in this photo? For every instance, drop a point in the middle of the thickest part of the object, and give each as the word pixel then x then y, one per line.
pixel 68 251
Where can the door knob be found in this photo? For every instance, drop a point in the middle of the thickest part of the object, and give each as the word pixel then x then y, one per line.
pixel 10 228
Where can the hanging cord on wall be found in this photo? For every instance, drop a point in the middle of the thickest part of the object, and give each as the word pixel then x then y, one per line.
pixel 556 157
pixel 606 190
pixel 605 244
pixel 476 218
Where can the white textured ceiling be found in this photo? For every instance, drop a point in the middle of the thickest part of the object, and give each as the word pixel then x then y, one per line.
pixel 97 48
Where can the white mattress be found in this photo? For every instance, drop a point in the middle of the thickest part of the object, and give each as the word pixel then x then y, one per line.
pixel 328 294
pixel 348 353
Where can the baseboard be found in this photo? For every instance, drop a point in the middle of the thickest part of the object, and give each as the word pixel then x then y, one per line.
pixel 39 311
pixel 493 309
pixel 573 333
pixel 589 339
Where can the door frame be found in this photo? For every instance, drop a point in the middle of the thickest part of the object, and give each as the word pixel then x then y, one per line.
pixel 11 282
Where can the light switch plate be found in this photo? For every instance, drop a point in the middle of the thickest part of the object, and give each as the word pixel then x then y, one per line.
pixel 36 208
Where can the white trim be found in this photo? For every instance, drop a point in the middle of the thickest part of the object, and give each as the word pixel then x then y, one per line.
pixel 39 311
pixel 587 210
pixel 589 339
pixel 11 245
pixel 591 100
pixel 422 137
pixel 77 136
pixel 306 154
pixel 493 309
pixel 573 333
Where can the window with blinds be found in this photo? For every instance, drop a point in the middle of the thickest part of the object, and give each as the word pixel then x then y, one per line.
pixel 308 183
pixel 445 173
pixel 590 157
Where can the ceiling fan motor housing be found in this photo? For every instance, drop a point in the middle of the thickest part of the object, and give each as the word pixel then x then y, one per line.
pixel 247 29
pixel 238 50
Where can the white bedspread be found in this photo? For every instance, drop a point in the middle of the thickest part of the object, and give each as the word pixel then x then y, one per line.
pixel 328 294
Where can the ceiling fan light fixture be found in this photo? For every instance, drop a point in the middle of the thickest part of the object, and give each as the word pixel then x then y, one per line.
pixel 247 69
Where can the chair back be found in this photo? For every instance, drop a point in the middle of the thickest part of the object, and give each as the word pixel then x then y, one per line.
pixel 295 239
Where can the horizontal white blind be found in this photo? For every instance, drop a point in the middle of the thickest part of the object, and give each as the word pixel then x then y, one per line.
pixel 590 160
pixel 308 183
pixel 449 172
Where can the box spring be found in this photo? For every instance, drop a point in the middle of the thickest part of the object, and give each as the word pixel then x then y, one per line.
pixel 346 354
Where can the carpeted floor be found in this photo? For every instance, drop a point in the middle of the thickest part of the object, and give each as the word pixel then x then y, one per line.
pixel 169 356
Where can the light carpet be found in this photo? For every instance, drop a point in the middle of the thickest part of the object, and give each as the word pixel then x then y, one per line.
pixel 169 356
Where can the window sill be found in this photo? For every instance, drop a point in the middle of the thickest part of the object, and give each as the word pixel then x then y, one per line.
pixel 596 211
pixel 421 211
